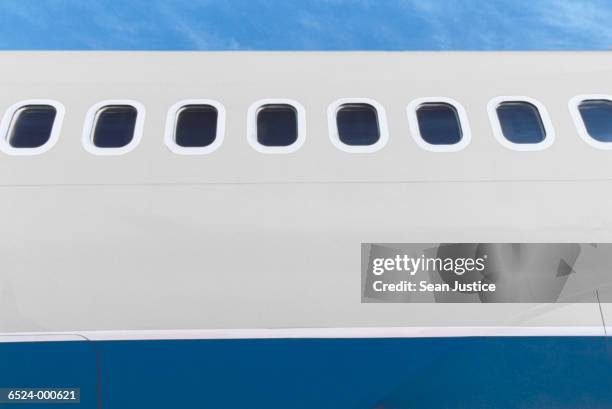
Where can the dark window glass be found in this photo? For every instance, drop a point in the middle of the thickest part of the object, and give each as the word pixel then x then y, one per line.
pixel 277 125
pixel 521 122
pixel 196 126
pixel 31 126
pixel 358 124
pixel 597 117
pixel 114 126
pixel 439 123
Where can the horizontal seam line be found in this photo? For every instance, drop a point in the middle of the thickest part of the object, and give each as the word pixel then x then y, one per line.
pixel 386 182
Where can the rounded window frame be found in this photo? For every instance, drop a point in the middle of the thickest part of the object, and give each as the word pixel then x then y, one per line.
pixel 252 126
pixel 171 121
pixel 87 136
pixel 332 125
pixel 573 105
pixel 7 120
pixel 498 133
pixel 466 132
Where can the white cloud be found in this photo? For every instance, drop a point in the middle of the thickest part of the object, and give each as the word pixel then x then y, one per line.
pixel 589 21
pixel 511 24
pixel 308 24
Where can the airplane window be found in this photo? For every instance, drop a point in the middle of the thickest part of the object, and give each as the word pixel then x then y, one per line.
pixel 277 125
pixel 196 126
pixel 439 123
pixel 31 126
pixel 520 122
pixel 114 126
pixel 597 117
pixel 358 124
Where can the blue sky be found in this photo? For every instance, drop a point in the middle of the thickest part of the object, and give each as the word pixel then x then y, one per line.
pixel 306 24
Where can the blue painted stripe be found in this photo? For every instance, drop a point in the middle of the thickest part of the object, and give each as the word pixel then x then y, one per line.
pixel 491 372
